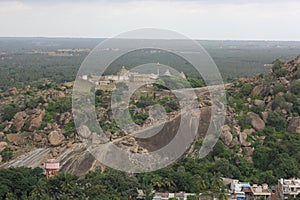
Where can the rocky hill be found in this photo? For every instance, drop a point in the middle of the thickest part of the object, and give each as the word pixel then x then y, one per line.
pixel 37 124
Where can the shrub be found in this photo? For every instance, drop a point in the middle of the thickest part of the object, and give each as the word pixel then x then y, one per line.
pixel 277 64
pixel 140 118
pixel 246 89
pixel 276 120
pixel 6 154
pixel 279 88
pixel 280 72
pixel 245 122
pixel 295 87
pixel 195 83
pixel 289 97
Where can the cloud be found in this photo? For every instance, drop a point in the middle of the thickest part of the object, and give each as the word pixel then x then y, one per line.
pixel 201 19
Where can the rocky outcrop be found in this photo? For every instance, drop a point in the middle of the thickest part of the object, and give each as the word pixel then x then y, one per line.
pixel 258 102
pixel 2 146
pixel 19 121
pixel 64 118
pixel 11 92
pixel 226 135
pixel 294 125
pixel 257 90
pixel 35 119
pixel 37 138
pixel 256 122
pixel 16 139
pixel 30 119
pixel 56 138
pixel 243 139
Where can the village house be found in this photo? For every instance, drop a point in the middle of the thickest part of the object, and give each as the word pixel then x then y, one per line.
pixel 239 190
pixel 260 191
pixel 288 188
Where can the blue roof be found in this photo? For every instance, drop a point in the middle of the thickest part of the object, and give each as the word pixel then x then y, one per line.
pixel 245 185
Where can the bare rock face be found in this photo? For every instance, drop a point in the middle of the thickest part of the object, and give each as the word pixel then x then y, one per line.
pixel 15 139
pixel 205 115
pixel 0 158
pixel 2 146
pixel 256 122
pixel 19 121
pixel 56 138
pixel 257 90
pixel 294 125
pixel 226 135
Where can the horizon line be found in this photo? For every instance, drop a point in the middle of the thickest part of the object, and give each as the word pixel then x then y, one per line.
pixel 204 39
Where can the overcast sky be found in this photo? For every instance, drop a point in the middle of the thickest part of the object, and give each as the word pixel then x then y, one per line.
pixel 197 19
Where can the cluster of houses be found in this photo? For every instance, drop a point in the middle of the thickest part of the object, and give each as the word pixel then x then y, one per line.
pixel 286 188
pixel 165 195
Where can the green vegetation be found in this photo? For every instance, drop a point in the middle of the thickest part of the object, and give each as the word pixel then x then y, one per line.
pixel 8 111
pixel 295 87
pixel 6 154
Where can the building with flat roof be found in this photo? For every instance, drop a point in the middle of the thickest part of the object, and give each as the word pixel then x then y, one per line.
pixel 288 188
pixel 260 191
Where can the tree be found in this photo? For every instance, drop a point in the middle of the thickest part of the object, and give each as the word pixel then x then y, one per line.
pixel 262 157
pixel 9 111
pixel 65 186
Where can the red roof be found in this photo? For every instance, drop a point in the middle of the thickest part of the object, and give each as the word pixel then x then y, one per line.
pixel 51 164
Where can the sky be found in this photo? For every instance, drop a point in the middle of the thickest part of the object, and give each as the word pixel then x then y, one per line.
pixel 196 19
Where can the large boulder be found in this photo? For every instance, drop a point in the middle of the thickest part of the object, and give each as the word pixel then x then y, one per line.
pixel 35 119
pixel 16 139
pixel 37 137
pixel 226 135
pixel 19 121
pixel 84 131
pixel 259 102
pixel 257 90
pixel 56 138
pixel 294 125
pixel 243 139
pixel 2 146
pixel 256 122
pixel 12 91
